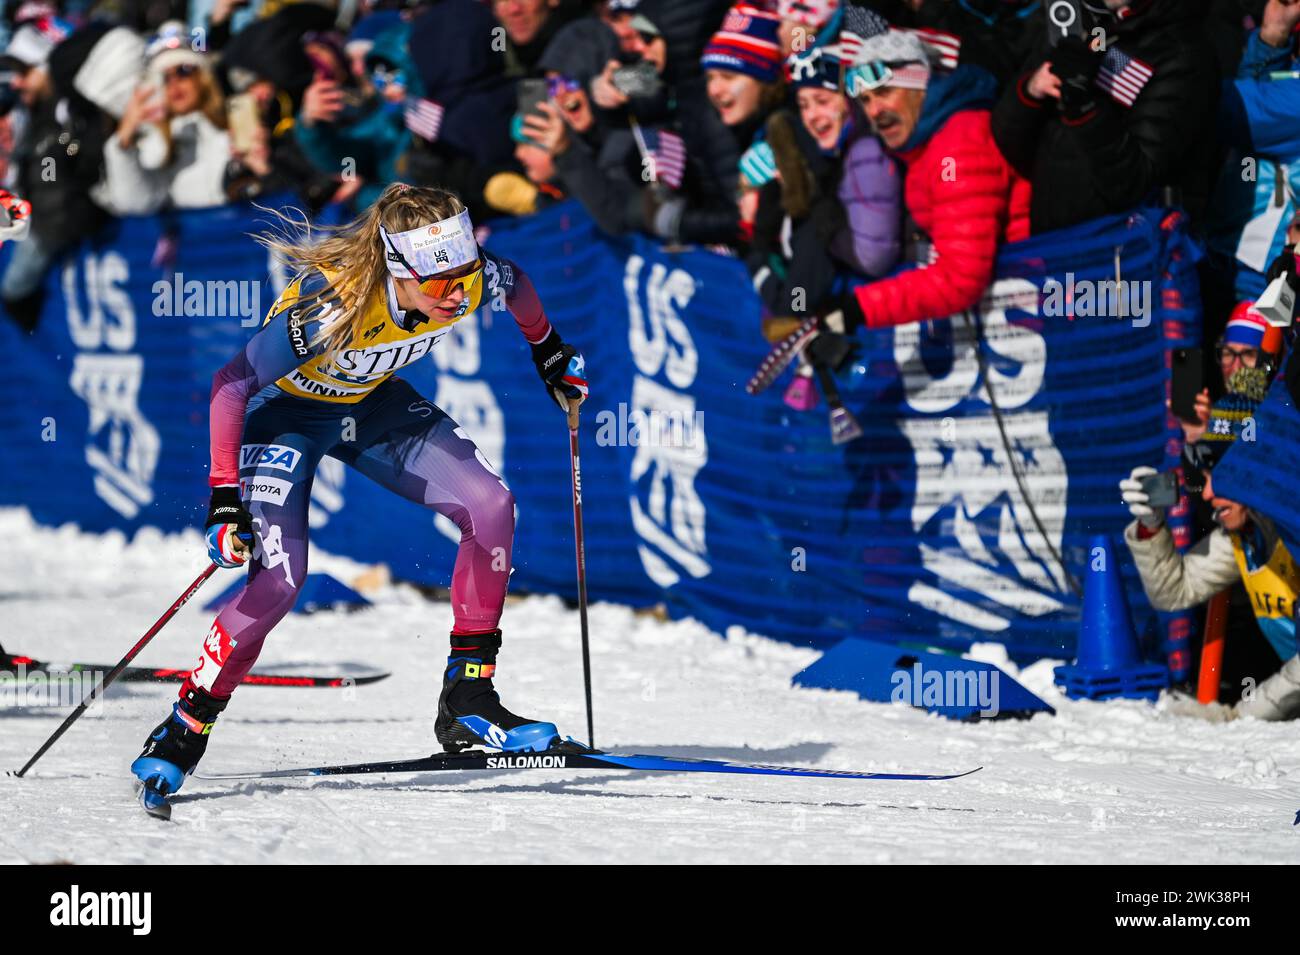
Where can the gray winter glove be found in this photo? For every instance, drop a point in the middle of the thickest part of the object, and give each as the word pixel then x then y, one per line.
pixel 1139 504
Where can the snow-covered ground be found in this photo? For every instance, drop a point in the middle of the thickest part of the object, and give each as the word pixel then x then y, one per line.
pixel 1119 782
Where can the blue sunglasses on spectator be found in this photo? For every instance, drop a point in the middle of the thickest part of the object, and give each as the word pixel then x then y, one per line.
pixel 867 76
pixel 557 86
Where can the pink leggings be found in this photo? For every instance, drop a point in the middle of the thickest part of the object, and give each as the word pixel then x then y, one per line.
pixel 400 440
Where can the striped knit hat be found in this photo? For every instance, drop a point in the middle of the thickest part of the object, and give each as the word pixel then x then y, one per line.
pixel 810 13
pixel 902 53
pixel 877 54
pixel 747 43
pixel 32 43
pixel 1246 326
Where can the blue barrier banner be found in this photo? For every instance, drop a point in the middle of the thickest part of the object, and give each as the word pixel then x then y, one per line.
pixel 726 507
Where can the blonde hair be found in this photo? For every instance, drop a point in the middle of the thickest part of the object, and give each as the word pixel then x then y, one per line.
pixel 352 256
pixel 211 104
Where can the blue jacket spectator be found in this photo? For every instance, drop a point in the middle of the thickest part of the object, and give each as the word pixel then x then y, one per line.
pixel 1259 119
pixel 344 127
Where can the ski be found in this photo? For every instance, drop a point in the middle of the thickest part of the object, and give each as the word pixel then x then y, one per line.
pixel 571 758
pixel 156 806
pixel 10 663
pixel 781 355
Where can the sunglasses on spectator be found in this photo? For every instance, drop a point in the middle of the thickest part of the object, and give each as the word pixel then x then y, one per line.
pixel 183 71
pixel 557 86
pixel 1247 356
pixel 383 78
pixel 867 76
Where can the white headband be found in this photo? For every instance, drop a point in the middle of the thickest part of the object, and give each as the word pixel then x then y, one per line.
pixel 447 244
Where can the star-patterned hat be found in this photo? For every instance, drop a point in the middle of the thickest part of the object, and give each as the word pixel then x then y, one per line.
pixel 747 43
pixel 1229 418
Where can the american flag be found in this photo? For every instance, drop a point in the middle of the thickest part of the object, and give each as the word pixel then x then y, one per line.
pixel 859 24
pixel 1122 77
pixel 945 46
pixel 423 117
pixel 670 158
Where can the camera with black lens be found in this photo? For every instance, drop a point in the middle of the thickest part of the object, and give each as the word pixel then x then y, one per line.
pixel 1278 300
pixel 1066 18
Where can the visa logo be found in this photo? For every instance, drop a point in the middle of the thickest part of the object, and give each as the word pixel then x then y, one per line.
pixel 275 456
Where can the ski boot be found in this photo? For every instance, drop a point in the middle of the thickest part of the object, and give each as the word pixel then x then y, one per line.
pixel 173 749
pixel 470 712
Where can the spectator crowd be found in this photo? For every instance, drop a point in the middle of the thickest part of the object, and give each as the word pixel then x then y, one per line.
pixel 828 144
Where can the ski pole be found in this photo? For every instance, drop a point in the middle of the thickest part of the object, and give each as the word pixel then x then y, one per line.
pixel 98 690
pixel 581 554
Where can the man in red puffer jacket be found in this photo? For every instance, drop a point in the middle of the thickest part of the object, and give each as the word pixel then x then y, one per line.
pixel 959 190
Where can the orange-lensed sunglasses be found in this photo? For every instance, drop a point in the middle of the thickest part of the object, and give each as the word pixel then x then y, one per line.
pixel 440 287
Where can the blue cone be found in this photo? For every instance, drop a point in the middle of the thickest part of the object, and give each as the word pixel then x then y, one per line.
pixel 1107 640
pixel 1108 662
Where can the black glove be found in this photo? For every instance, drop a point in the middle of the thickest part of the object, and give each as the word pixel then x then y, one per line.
pixel 829 217
pixel 227 508
pixel 1285 264
pixel 662 213
pixel 830 350
pixel 847 318
pixel 240 183
pixel 561 369
pixel 1075 64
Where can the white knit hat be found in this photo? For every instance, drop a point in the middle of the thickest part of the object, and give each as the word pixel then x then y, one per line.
pixel 170 47
pixel 112 70
pixel 33 42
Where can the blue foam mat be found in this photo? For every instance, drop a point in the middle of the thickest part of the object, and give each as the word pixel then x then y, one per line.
pixel 951 686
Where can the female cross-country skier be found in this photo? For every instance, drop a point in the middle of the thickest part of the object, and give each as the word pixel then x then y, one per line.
pixel 317 379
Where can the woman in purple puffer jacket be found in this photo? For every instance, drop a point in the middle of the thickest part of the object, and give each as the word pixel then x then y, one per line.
pixel 830 203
